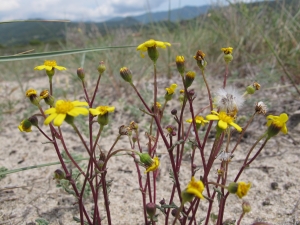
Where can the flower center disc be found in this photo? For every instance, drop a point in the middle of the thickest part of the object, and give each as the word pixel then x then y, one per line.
pixel 224 117
pixel 64 107
pixel 51 63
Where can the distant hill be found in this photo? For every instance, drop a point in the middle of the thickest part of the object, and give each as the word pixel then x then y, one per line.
pixel 185 13
pixel 24 33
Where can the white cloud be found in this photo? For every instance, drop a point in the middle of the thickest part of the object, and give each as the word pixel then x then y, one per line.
pixel 9 5
pixel 80 10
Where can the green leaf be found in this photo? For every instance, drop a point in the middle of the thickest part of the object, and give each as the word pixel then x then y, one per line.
pixel 41 221
pixel 2 170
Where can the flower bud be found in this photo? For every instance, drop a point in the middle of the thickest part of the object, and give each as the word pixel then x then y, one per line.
pixel 146 159
pixel 174 112
pixel 200 59
pixel 34 121
pixel 174 212
pixel 102 156
pixel 232 187
pixel 151 209
pixel 101 68
pixel 133 125
pixel 246 207
pixel 162 202
pixel 32 95
pixel 227 54
pixel 126 74
pixel 59 175
pixel 180 64
pixel 191 92
pixel 49 99
pixel 80 73
pixel 186 197
pixel 250 89
pixel 189 78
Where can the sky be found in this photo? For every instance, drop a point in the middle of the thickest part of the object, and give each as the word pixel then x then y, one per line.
pixel 86 10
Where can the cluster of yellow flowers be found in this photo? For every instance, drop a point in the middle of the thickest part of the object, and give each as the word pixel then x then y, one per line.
pixel 226 107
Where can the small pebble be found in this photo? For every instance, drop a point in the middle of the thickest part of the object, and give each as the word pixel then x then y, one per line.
pixel 274 185
pixel 266 202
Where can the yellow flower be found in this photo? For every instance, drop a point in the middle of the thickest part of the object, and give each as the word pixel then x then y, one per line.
pixel 180 64
pixel 31 92
pixel 276 124
pixel 151 43
pixel 25 126
pixel 32 95
pixel 227 50
pixel 171 89
pixel 224 120
pixel 195 187
pixel 64 108
pixel 49 65
pixel 242 189
pixel 102 110
pixel 158 105
pixel 154 165
pixel 199 120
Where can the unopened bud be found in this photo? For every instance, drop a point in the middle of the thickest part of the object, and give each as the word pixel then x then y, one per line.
pixel 180 64
pixel 126 74
pixel 33 120
pixel 59 175
pixel 101 68
pixel 32 95
pixel 80 73
pixel 174 112
pixel 246 207
pixel 189 78
pixel 151 209
pixel 49 99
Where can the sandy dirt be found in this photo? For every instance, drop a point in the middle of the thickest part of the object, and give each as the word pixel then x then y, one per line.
pixel 31 194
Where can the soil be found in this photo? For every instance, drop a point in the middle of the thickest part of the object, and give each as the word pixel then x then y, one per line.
pixel 31 194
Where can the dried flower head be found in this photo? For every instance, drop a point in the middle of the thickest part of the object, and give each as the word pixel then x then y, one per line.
pixel 261 108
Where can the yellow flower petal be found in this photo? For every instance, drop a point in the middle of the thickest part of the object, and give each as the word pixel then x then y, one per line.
pixel 60 67
pixel 50 111
pixel 212 117
pixel 195 187
pixel 78 103
pixel 223 125
pixel 243 189
pixel 59 119
pixel 154 165
pixel 237 127
pixel 41 67
pixel 50 118
pixel 94 112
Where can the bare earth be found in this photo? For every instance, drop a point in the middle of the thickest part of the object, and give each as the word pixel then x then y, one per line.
pixel 31 194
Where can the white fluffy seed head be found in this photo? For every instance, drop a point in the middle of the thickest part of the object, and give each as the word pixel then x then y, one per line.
pixel 229 100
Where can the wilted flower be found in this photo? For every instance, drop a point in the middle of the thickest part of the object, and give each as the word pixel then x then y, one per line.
pixel 261 108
